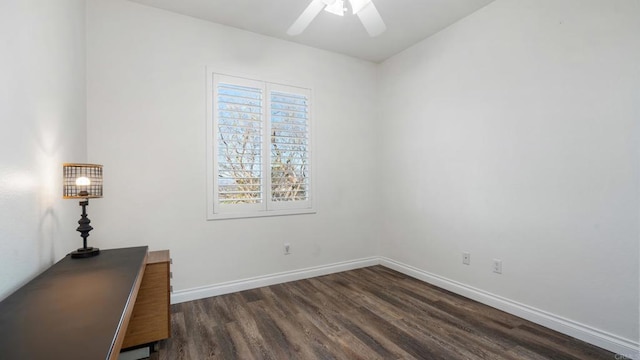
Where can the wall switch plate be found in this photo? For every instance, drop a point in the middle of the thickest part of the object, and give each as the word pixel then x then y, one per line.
pixel 287 248
pixel 497 266
pixel 466 258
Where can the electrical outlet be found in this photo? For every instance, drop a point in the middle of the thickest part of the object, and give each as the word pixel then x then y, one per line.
pixel 466 258
pixel 497 266
pixel 287 248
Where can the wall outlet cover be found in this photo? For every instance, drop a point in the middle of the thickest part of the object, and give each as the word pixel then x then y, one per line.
pixel 497 266
pixel 466 258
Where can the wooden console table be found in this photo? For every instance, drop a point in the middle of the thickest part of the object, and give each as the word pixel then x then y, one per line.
pixel 76 309
pixel 151 319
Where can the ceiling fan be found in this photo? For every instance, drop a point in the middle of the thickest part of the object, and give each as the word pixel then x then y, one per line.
pixel 365 10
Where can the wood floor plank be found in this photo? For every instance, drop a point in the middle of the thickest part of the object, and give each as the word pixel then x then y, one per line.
pixel 201 332
pixel 243 351
pixel 297 332
pixel 272 333
pixel 177 348
pixel 571 348
pixel 248 324
pixel 369 313
pixel 352 335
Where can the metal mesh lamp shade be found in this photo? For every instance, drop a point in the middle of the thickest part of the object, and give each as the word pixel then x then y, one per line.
pixel 82 181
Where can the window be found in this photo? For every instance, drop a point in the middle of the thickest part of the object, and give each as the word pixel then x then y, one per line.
pixel 259 148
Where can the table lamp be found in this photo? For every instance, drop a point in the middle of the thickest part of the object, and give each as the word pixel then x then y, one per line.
pixel 83 181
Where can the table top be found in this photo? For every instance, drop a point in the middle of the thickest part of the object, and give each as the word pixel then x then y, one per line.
pixel 74 309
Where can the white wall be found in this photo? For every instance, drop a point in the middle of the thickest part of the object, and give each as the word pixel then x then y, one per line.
pixel 513 134
pixel 518 124
pixel 42 117
pixel 146 125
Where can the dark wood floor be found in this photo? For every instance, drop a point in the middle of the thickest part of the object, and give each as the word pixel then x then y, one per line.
pixel 370 313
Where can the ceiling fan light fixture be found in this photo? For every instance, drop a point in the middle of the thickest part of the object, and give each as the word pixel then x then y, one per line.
pixel 364 9
pixel 336 8
pixel 357 5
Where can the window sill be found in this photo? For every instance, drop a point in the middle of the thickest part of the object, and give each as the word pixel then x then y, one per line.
pixel 228 216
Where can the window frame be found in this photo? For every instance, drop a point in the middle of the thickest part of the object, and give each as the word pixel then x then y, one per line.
pixel 268 207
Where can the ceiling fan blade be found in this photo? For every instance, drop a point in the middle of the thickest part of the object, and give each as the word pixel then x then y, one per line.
pixel 357 5
pixel 306 17
pixel 371 19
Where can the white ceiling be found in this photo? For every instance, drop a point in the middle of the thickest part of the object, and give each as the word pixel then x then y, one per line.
pixel 408 22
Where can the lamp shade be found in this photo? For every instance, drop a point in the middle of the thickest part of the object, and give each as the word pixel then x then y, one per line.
pixel 82 181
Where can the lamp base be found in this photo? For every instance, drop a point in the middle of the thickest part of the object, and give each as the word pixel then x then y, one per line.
pixel 85 252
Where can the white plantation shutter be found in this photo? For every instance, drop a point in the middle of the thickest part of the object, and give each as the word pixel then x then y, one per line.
pixel 238 133
pixel 289 146
pixel 259 148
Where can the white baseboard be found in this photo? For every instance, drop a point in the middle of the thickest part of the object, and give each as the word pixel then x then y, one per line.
pixel 603 339
pixel 267 280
